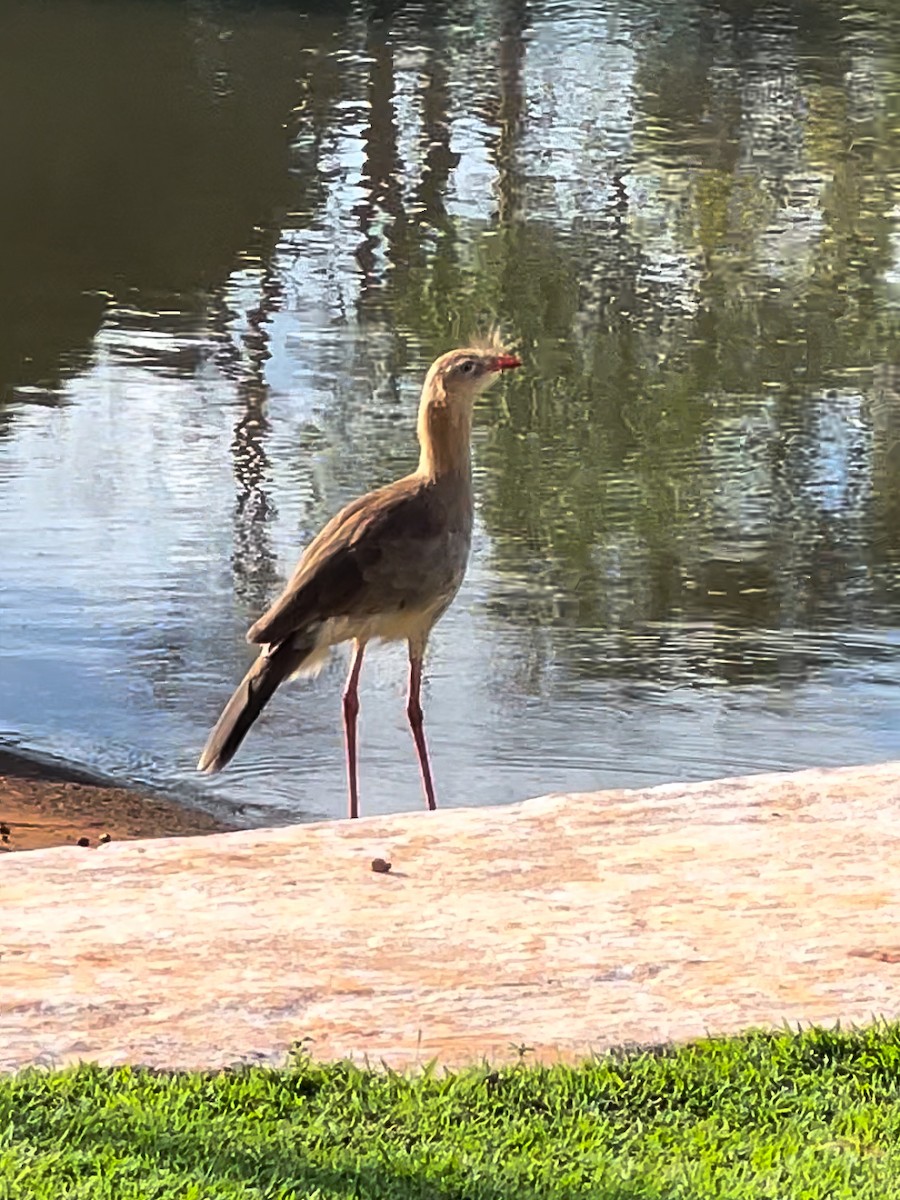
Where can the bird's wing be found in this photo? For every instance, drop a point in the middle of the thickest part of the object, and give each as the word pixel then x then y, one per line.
pixel 377 554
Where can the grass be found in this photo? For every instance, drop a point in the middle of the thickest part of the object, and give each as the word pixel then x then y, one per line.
pixel 785 1116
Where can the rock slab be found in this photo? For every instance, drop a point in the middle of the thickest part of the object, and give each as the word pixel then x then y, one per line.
pixel 565 924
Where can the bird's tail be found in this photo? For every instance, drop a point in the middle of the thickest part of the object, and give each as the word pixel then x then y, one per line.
pixel 271 668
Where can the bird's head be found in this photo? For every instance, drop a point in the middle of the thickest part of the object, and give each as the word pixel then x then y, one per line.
pixel 451 388
pixel 459 377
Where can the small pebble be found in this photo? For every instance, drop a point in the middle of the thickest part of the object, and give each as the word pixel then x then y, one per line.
pixel 381 865
pixel 83 841
pixel 104 838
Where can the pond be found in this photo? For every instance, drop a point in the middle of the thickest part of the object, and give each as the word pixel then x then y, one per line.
pixel 238 234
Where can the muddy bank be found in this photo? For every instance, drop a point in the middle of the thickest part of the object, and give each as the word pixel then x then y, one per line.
pixel 46 804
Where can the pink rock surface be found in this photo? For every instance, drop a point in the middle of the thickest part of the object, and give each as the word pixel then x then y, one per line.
pixel 567 923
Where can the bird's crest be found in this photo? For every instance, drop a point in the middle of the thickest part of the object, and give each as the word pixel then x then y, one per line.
pixel 492 340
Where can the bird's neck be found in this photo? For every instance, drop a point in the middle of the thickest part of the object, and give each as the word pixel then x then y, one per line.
pixel 445 434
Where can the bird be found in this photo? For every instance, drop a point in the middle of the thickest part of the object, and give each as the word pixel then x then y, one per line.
pixel 386 568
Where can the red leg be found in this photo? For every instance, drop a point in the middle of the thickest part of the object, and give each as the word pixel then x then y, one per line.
pixel 414 712
pixel 351 709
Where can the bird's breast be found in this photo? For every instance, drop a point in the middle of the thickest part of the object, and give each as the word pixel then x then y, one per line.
pixel 395 625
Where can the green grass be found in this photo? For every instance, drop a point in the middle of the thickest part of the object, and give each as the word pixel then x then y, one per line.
pixel 784 1116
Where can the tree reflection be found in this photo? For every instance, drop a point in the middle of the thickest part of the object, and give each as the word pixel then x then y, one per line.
pixel 673 444
pixel 688 221
pixel 696 446
pixel 253 560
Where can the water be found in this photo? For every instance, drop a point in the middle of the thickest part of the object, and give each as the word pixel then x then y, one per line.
pixel 238 234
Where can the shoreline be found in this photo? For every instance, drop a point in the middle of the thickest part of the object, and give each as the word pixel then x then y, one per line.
pixel 46 803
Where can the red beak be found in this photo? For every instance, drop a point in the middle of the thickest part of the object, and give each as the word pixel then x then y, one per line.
pixel 503 362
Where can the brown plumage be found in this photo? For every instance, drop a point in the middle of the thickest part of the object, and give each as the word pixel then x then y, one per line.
pixel 387 566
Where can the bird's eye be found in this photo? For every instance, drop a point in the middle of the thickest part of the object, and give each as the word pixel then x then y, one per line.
pixel 467 367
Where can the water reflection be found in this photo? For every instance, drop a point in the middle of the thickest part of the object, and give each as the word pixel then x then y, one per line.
pixel 243 231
